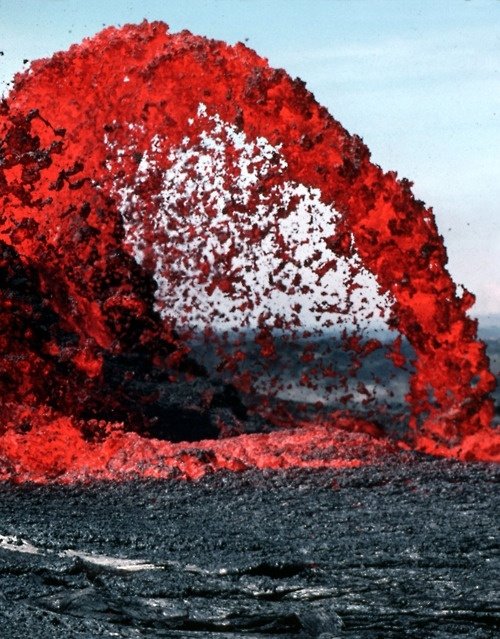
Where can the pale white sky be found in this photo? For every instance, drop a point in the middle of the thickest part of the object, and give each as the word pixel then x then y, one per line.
pixel 419 81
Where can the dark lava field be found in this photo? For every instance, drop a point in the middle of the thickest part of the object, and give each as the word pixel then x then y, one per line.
pixel 395 550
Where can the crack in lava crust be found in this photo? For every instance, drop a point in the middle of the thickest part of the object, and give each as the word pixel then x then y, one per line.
pixel 175 192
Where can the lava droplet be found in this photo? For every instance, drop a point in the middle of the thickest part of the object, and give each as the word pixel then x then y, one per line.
pixel 200 268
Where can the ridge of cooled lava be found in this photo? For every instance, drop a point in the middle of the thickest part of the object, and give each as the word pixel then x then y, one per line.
pixel 192 249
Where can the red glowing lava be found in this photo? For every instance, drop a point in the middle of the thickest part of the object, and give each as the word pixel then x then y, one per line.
pixel 160 187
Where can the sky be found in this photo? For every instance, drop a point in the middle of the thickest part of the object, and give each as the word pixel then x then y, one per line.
pixel 418 80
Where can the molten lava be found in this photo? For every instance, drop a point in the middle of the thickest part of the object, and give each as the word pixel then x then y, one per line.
pixel 176 219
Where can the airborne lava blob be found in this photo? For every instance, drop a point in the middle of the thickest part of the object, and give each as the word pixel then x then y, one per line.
pixel 176 219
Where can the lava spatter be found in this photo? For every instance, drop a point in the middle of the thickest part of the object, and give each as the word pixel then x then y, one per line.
pixel 193 248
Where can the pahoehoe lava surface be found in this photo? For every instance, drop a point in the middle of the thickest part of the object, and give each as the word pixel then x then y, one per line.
pixel 387 551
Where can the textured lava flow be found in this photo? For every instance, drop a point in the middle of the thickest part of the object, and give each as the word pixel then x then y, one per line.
pixel 175 218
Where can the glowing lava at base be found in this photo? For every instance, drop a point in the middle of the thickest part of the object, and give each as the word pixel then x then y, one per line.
pixel 56 450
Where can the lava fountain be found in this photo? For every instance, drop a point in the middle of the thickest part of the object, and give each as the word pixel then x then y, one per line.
pixel 201 268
